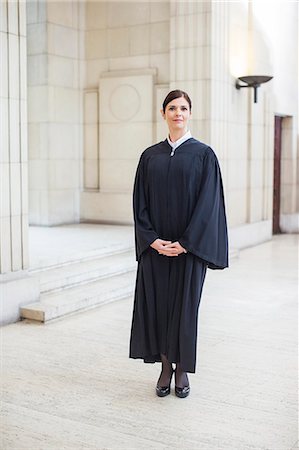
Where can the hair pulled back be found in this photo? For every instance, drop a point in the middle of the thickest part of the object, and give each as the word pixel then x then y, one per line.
pixel 177 93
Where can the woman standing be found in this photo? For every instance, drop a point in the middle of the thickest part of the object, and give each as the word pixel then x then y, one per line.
pixel 180 231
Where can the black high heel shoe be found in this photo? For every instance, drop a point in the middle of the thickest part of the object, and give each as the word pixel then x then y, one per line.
pixel 182 392
pixel 162 391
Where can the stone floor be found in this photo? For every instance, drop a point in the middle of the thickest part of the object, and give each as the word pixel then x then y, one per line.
pixel 69 384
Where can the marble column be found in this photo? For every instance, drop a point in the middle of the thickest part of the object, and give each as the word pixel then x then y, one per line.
pixel 16 287
pixel 55 78
pixel 202 44
pixel 199 60
pixel 190 41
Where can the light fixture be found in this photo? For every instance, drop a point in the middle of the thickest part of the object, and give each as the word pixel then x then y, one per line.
pixel 253 81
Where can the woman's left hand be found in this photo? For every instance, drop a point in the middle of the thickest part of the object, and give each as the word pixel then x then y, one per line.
pixel 175 246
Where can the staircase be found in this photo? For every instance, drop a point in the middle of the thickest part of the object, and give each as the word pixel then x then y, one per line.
pixel 81 266
pixel 77 285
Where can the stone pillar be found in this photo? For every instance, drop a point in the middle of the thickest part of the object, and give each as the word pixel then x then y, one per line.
pixel 199 60
pixel 55 78
pixel 242 137
pixel 201 43
pixel 190 52
pixel 16 287
pixel 260 141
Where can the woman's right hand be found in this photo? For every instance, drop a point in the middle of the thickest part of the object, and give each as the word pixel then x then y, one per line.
pixel 160 246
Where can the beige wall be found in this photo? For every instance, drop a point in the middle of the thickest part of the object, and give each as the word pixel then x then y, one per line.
pixel 152 47
pixel 126 35
pixel 127 58
pixel 202 48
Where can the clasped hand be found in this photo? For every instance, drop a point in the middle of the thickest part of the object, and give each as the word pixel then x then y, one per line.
pixel 168 248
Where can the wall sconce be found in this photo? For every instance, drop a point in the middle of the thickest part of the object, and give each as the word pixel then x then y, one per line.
pixel 253 81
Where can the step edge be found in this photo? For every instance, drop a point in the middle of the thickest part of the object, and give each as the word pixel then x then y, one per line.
pixel 46 297
pixel 39 314
pixel 89 308
pixel 79 260
pixel 93 279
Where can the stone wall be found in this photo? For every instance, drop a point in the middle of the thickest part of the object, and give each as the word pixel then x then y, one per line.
pixel 127 75
pixel 83 153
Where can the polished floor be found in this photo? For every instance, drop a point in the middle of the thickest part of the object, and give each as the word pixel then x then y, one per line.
pixel 69 384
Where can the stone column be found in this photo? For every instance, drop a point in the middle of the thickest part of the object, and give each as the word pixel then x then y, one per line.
pixel 55 78
pixel 190 52
pixel 16 287
pixel 199 64
pixel 201 55
pixel 260 141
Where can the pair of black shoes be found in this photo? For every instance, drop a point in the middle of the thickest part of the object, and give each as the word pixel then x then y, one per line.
pixel 162 391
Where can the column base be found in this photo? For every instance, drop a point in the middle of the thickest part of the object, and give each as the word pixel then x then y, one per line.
pixel 16 289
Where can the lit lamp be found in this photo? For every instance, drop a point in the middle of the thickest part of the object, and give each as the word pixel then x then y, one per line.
pixel 253 81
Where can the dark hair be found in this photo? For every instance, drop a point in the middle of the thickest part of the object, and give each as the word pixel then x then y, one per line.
pixel 177 93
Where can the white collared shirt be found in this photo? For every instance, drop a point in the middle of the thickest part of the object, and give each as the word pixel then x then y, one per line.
pixel 175 144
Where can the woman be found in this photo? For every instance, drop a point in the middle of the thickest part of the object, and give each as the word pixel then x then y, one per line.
pixel 180 231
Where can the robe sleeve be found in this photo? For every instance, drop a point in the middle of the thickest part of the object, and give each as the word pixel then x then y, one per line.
pixel 144 232
pixel 206 234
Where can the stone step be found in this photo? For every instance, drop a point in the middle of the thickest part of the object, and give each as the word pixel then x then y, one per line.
pixel 67 258
pixel 85 271
pixel 85 284
pixel 80 298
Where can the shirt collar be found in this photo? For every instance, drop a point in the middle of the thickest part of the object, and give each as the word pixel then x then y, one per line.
pixel 184 138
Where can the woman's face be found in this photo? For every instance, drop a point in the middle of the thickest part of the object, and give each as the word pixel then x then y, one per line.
pixel 177 114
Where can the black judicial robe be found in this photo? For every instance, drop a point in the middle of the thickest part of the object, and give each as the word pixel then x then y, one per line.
pixel 176 198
